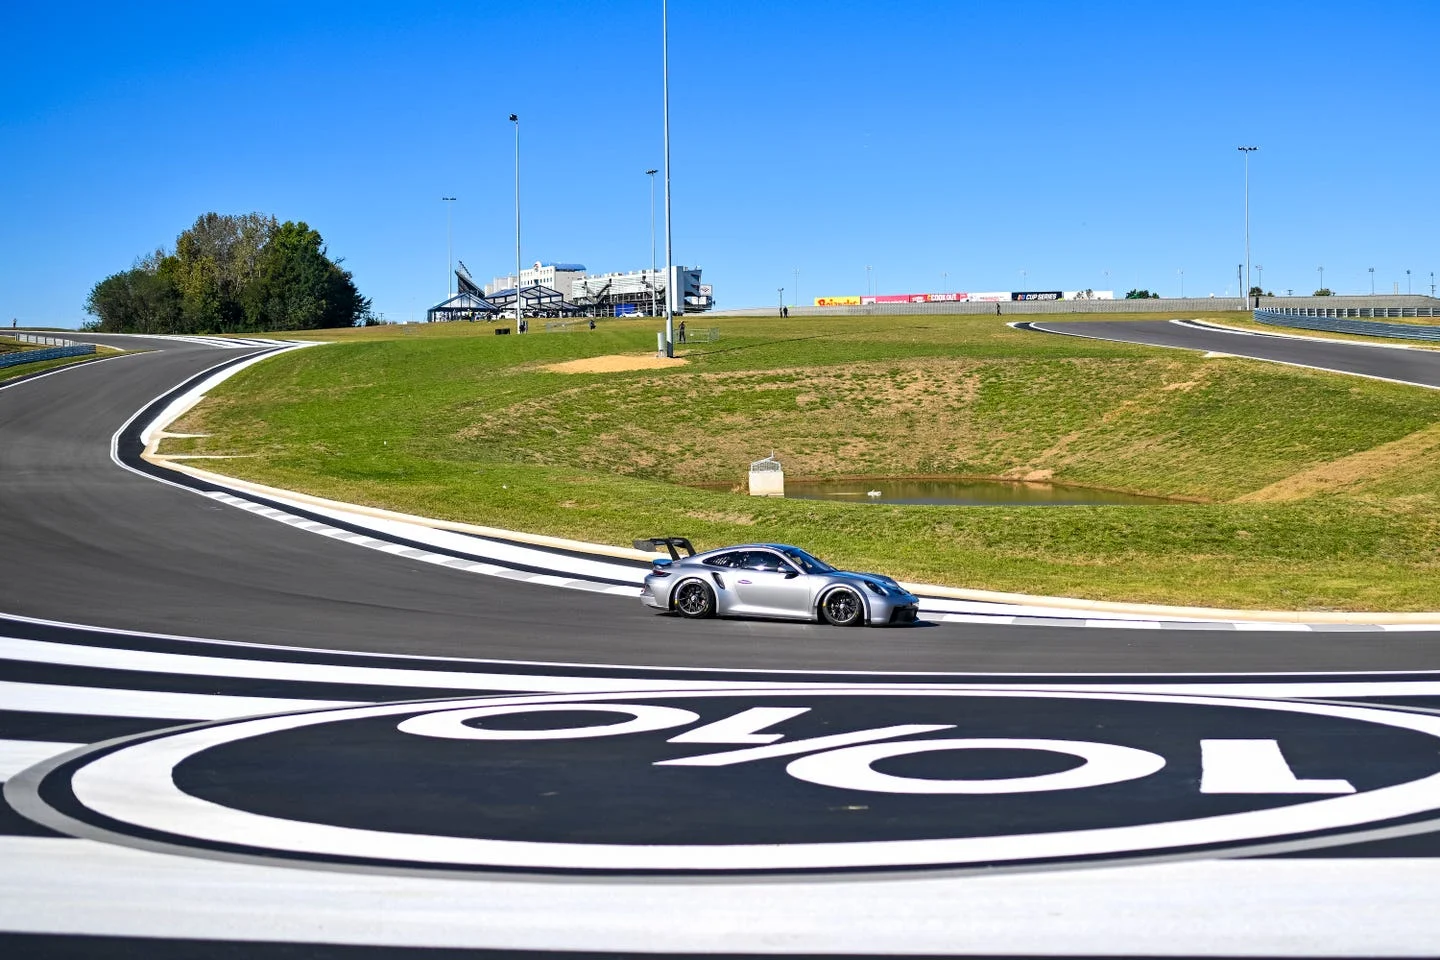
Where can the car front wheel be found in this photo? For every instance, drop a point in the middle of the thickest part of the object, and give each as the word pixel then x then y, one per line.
pixel 693 599
pixel 842 607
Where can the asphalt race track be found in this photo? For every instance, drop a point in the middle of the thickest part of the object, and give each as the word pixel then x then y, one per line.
pixel 1371 360
pixel 365 755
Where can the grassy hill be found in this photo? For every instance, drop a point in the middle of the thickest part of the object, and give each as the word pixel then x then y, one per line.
pixel 1292 488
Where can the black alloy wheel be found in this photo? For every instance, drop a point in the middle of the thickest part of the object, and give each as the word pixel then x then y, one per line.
pixel 842 607
pixel 694 600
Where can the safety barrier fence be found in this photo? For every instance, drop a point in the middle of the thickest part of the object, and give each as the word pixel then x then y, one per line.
pixel 1341 312
pixel 1369 328
pixel 39 338
pixel 51 353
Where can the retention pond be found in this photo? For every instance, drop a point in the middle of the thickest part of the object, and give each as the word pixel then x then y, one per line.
pixel 969 493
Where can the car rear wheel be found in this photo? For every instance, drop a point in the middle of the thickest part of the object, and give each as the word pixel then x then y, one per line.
pixel 842 607
pixel 693 599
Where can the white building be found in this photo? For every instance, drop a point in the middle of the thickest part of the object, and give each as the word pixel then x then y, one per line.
pixel 556 276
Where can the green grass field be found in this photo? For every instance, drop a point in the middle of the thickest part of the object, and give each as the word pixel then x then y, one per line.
pixel 1293 489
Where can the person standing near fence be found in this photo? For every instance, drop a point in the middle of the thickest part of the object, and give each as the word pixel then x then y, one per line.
pixel 681 338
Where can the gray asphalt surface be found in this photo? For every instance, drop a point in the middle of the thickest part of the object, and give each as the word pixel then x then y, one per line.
pixel 1411 366
pixel 87 541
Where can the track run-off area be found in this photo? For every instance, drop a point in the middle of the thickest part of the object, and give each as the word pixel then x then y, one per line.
pixel 235 722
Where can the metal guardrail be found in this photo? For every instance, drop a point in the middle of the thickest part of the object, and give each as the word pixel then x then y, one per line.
pixel 53 353
pixel 1368 328
pixel 39 338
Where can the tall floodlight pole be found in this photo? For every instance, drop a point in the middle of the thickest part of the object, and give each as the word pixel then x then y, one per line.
pixel 1322 276
pixel 780 291
pixel 1260 276
pixel 515 119
pixel 1247 151
pixel 868 288
pixel 654 288
pixel 1372 281
pixel 1407 283
pixel 449 249
pixel 1181 271
pixel 669 249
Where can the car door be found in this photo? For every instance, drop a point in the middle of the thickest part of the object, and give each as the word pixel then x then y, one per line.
pixel 768 586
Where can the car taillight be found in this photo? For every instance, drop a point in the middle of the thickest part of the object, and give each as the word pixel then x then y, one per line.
pixel 659 571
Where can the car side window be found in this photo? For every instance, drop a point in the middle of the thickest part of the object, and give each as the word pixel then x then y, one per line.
pixel 762 560
pixel 731 559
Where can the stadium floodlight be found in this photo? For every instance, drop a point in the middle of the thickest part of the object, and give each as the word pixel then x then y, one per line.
pixel 1247 151
pixel 653 286
pixel 515 119
pixel 669 249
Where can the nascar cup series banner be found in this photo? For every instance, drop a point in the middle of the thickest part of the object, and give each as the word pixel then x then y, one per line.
pixel 989 297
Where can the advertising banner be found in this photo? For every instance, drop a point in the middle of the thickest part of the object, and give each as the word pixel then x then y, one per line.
pixel 1037 295
pixel 946 297
pixel 838 301
pixel 993 297
pixel 1089 295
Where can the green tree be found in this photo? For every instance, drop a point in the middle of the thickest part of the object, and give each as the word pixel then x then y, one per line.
pixel 1323 292
pixel 139 300
pixel 231 274
pixel 298 287
pixel 1141 295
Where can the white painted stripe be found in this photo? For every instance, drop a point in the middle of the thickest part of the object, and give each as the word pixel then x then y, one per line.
pixel 60 654
pixel 100 702
pixel 16 755
pixel 1295 908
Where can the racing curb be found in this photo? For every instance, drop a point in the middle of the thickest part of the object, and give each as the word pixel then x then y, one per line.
pixel 176 403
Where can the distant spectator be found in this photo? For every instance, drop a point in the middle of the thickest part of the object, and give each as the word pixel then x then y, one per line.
pixel 592 323
pixel 682 331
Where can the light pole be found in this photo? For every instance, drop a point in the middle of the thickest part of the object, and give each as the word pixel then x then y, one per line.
pixel 1182 282
pixel 1247 151
pixel 1432 283
pixel 449 249
pixel 781 292
pixel 868 289
pixel 1322 276
pixel 944 281
pixel 1407 283
pixel 515 119
pixel 1260 277
pixel 654 288
pixel 1372 281
pixel 669 249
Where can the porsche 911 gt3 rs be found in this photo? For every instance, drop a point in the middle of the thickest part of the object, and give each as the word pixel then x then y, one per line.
pixel 770 580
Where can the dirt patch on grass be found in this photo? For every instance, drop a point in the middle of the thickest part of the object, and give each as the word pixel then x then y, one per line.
pixel 616 363
pixel 1354 471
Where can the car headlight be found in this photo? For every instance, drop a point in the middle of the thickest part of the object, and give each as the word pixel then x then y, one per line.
pixel 876 588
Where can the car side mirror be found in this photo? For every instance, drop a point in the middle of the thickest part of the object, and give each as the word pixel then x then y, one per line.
pixel 791 573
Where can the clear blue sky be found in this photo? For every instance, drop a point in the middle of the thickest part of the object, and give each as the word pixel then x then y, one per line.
pixel 977 140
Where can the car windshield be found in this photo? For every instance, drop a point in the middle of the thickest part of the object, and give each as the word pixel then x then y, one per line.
pixel 806 562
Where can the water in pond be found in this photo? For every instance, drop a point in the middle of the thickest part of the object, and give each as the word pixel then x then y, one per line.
pixel 970 493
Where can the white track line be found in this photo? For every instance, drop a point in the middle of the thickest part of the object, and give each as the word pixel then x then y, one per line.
pixel 16 755
pixel 1295 908
pixel 103 702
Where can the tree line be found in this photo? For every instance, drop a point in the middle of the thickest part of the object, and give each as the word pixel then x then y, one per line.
pixel 231 274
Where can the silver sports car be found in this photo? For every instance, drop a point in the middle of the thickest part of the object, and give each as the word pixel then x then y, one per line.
pixel 770 580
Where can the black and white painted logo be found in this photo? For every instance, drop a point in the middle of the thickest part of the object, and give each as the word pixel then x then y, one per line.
pixel 753 781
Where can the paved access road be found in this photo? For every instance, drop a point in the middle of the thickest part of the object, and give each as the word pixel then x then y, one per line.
pixel 1371 360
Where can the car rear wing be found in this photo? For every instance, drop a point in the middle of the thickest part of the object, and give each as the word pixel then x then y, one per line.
pixel 673 545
